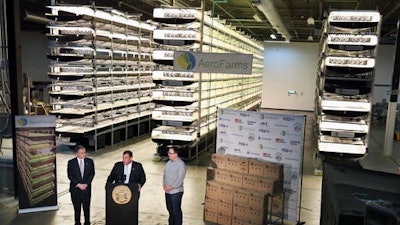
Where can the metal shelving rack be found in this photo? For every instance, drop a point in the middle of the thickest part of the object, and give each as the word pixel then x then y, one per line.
pixel 180 95
pixel 101 72
pixel 345 82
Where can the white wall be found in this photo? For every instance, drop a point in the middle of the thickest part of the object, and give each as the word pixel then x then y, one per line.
pixel 383 72
pixel 290 66
pixel 293 66
pixel 34 49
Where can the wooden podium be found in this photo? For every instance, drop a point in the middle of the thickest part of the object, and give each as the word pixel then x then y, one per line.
pixel 122 204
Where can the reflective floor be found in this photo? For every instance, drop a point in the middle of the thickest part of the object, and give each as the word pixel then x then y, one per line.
pixel 152 210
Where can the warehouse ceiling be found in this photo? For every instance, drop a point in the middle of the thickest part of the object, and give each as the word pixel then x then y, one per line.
pixel 301 18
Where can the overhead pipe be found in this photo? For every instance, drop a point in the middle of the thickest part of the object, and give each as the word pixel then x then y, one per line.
pixel 35 18
pixel 268 8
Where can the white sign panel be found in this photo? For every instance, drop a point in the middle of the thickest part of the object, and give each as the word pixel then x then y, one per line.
pixel 213 62
pixel 171 13
pixel 270 137
pixel 175 34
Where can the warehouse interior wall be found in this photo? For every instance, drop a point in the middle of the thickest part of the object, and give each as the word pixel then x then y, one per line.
pixel 383 72
pixel 290 70
pixel 289 76
pixel 34 49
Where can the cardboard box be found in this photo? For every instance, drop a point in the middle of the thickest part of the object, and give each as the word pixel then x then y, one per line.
pixel 225 207
pixel 210 215
pixel 224 219
pixel 254 199
pixel 250 182
pixel 211 204
pixel 266 169
pixel 222 176
pixel 258 200
pixel 213 189
pixel 237 164
pixel 210 174
pixel 218 161
pixel 269 186
pixel 240 211
pixel 257 216
pixel 241 196
pixel 244 212
pixel 239 221
pixel 235 179
pixel 256 167
pixel 226 193
pixel 262 184
pixel 274 171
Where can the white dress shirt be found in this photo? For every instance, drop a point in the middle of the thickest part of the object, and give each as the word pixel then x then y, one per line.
pixel 127 172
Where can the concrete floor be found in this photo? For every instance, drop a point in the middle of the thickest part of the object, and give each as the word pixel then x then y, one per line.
pixel 152 205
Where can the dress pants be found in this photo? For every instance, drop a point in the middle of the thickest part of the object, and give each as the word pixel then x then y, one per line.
pixel 79 202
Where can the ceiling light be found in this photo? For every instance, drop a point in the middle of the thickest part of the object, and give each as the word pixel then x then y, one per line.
pixel 310 21
pixel 272 36
pixel 257 18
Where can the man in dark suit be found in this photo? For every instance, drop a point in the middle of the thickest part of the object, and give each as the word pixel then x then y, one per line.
pixel 80 173
pixel 127 171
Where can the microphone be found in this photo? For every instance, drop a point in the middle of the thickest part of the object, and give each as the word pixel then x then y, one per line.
pixel 121 179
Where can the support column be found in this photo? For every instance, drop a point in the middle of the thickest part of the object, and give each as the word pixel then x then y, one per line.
pixel 392 107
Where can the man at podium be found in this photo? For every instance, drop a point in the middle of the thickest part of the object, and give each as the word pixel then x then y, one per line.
pixel 127 171
pixel 123 190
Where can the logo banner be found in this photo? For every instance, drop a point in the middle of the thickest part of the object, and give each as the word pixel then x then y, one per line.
pixel 213 62
pixel 36 163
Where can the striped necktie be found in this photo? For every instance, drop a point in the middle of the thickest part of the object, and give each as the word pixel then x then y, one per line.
pixel 81 167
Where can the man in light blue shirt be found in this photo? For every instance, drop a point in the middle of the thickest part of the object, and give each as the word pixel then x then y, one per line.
pixel 174 173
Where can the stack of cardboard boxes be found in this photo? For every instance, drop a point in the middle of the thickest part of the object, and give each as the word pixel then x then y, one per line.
pixel 241 191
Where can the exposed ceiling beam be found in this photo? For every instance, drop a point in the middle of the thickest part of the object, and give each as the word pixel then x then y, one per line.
pixel 234 18
pixel 357 5
pixel 268 8
pixel 393 10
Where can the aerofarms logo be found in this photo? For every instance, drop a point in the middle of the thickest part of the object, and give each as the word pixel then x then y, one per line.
pixel 22 122
pixel 232 63
pixel 186 61
pixel 222 64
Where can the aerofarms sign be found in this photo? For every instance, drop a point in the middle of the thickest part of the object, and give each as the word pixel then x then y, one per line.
pixel 213 62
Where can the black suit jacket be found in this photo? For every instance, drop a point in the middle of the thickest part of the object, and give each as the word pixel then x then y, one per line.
pixel 74 175
pixel 137 174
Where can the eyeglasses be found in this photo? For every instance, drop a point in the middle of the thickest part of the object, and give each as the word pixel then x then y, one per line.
pixel 171 153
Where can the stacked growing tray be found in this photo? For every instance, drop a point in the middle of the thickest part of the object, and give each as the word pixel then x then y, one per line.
pixel 176 94
pixel 345 82
pixel 188 101
pixel 101 66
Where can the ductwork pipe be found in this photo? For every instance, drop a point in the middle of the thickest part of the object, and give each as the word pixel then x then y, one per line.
pixel 35 18
pixel 268 8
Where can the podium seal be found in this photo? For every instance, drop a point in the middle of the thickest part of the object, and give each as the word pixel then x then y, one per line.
pixel 121 194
